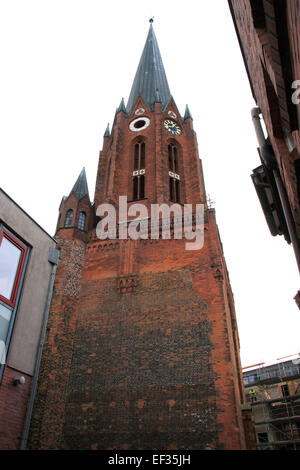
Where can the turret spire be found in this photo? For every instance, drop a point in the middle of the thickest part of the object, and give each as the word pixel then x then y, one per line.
pixel 80 188
pixel 150 76
pixel 187 114
pixel 122 106
pixel 107 131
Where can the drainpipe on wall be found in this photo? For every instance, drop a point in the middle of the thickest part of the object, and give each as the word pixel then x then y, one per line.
pixel 53 259
pixel 269 160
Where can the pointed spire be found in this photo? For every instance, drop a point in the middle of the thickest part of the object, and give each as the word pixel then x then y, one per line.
pixel 150 76
pixel 80 188
pixel 122 106
pixel 107 131
pixel 187 114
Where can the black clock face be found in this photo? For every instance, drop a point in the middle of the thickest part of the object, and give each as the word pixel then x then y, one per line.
pixel 172 127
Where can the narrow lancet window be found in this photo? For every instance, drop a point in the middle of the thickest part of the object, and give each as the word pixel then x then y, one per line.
pixel 139 163
pixel 142 187
pixel 139 156
pixel 135 187
pixel 174 179
pixel 142 159
pixel 81 221
pixel 171 189
pixel 69 218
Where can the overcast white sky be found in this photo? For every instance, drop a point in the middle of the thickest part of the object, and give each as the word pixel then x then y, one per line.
pixel 66 64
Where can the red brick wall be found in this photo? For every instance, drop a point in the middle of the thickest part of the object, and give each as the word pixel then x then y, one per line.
pixel 249 429
pixel 13 405
pixel 55 367
pixel 153 365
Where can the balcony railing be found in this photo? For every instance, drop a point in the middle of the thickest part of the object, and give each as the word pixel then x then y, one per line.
pixel 275 372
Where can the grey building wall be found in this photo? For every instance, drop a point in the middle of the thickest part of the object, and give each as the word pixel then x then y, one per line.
pixel 26 333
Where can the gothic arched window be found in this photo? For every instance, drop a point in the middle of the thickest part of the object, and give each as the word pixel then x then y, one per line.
pixel 139 156
pixel 173 160
pixel 174 179
pixel 81 221
pixel 69 218
pixel 139 163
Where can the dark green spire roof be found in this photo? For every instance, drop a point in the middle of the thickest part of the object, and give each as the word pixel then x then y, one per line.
pixel 150 80
pixel 80 188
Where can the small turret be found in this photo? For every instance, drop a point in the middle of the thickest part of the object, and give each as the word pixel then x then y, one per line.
pixel 187 114
pixel 76 210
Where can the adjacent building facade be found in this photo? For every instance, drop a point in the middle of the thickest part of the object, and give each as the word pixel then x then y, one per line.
pixel 142 348
pixel 273 392
pixel 269 36
pixel 28 258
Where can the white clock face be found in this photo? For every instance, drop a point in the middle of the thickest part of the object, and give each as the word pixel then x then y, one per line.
pixel 139 124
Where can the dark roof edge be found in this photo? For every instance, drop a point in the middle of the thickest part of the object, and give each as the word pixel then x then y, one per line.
pixel 29 216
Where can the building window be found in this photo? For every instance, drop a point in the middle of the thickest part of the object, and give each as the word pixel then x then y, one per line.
pixel 171 188
pixel 285 390
pixel 138 180
pixel 142 186
pixel 13 255
pixel 135 187
pixel 173 160
pixel 69 218
pixel 81 221
pixel 174 181
pixel 138 187
pixel 177 192
pixel 174 189
pixel 262 437
pixel 139 156
pixel 250 379
pixel 258 13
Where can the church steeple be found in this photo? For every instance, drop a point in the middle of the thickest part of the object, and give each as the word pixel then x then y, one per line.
pixel 150 80
pixel 142 324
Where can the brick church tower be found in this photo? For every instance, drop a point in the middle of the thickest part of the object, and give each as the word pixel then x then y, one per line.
pixel 141 349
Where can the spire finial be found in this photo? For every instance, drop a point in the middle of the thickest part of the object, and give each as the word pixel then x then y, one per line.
pixel 151 19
